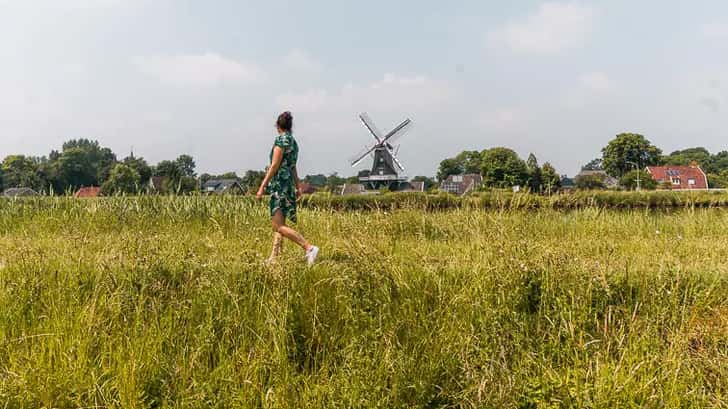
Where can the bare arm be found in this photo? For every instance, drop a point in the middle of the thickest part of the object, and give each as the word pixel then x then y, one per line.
pixel 272 170
pixel 295 178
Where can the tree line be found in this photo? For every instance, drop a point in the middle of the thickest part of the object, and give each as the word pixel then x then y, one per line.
pixel 502 168
pixel 85 163
pixel 628 155
pixel 624 158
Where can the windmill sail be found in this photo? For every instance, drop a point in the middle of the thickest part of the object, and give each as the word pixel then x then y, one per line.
pixel 354 160
pixel 393 136
pixel 396 161
pixel 386 170
pixel 369 124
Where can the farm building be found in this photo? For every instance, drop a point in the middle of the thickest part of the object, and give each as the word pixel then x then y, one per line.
pixel 461 184
pixel 352 189
pixel 91 191
pixel 609 181
pixel 307 188
pixel 222 187
pixel 415 187
pixel 156 183
pixel 20 192
pixel 360 189
pixel 679 177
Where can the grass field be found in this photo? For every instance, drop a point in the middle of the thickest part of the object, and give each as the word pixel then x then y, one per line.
pixel 163 302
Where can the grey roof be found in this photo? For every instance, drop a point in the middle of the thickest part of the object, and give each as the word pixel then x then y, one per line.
pixel 19 192
pixel 608 180
pixel 219 185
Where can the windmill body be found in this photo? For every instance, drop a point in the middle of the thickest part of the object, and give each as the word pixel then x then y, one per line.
pixel 386 171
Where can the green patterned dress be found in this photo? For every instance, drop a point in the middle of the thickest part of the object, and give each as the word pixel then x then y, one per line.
pixel 282 186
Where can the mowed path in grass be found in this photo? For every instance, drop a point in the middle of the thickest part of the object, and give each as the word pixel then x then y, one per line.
pixel 164 302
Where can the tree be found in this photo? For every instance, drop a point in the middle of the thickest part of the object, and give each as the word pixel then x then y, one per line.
pixel 429 182
pixel 450 166
pixel 21 171
pixel 185 184
pixel 178 174
pixel 627 150
pixel 687 156
pixel 141 167
pixel 470 161
pixel 333 181
pixel 550 178
pixel 594 164
pixel 590 182
pixel 629 180
pixel 464 162
pixel 167 168
pixel 718 181
pixel 718 163
pixel 75 169
pixel 501 167
pixel 315 180
pixel 534 174
pixel 47 171
pixel 122 179
pixel 252 180
pixel 82 162
pixel 186 165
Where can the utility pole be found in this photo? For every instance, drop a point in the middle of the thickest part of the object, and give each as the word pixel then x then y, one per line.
pixel 639 181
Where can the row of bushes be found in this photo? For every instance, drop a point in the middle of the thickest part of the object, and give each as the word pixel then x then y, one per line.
pixel 508 200
pixel 502 200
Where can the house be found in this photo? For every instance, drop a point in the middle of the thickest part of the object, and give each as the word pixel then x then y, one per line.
pixel 679 177
pixel 20 192
pixel 461 184
pixel 414 187
pixel 307 188
pixel 609 181
pixel 352 189
pixel 92 191
pixel 222 187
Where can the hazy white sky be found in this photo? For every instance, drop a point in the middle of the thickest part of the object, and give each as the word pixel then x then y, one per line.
pixel 208 78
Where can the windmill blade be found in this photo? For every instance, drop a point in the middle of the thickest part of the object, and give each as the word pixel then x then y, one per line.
pixel 396 161
pixel 369 124
pixel 397 132
pixel 361 155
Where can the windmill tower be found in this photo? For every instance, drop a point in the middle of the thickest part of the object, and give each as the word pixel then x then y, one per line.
pixel 387 171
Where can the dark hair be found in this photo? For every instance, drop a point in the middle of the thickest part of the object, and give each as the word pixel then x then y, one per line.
pixel 285 121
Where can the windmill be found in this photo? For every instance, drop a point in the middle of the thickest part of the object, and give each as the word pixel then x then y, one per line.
pixel 387 171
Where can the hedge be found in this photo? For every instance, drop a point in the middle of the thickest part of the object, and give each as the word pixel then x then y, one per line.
pixel 508 200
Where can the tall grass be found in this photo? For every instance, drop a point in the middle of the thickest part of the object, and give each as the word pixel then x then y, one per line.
pixel 164 302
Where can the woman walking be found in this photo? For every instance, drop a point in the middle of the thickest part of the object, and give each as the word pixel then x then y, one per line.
pixel 282 182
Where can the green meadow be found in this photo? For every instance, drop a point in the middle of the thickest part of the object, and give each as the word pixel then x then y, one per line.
pixel 164 302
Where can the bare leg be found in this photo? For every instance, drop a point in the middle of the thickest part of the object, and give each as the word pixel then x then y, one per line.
pixel 279 226
pixel 277 246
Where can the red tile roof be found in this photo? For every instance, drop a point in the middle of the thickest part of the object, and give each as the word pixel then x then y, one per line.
pixel 680 177
pixel 307 188
pixel 92 191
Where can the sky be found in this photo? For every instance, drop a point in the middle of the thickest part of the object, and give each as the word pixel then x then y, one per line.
pixel 208 78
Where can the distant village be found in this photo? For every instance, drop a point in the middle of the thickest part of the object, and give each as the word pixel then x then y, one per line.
pixel 83 168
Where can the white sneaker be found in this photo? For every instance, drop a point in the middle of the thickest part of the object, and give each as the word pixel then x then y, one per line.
pixel 311 255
